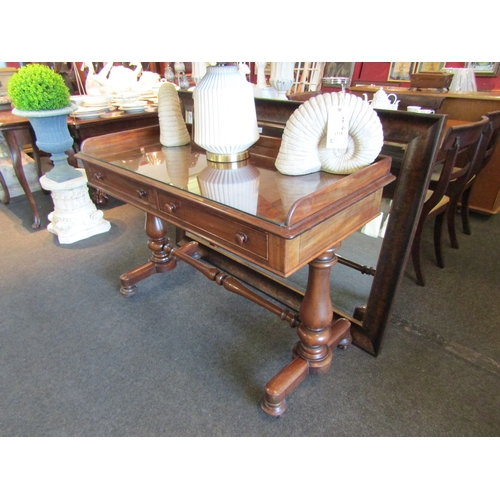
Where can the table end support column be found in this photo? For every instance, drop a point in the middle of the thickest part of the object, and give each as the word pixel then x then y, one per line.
pixel 161 260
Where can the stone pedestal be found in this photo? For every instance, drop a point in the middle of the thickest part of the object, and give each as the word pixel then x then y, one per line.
pixel 75 217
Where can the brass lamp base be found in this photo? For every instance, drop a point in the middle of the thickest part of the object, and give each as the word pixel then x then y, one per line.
pixel 230 158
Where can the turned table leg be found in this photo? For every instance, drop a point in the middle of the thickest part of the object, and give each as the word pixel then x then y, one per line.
pixel 160 261
pixel 318 334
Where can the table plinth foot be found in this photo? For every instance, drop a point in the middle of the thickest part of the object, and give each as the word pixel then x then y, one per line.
pixel 274 410
pixel 282 384
pixel 128 291
pixel 345 343
pixel 341 334
pixel 100 198
pixel 130 279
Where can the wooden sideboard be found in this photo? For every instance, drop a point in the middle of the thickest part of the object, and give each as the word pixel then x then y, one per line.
pixel 465 106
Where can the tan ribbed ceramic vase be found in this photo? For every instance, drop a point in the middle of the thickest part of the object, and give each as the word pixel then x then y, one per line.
pixel 173 130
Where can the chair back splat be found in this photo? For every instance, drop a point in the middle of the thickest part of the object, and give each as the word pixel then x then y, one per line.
pixel 492 136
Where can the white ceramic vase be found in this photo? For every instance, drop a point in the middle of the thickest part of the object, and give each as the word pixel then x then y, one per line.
pixel 282 78
pixel 261 75
pixel 224 112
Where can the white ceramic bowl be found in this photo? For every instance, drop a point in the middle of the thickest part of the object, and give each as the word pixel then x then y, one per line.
pixel 128 97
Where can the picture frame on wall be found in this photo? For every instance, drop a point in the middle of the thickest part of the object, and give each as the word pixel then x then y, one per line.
pixel 339 69
pixel 484 68
pixel 400 71
pixel 430 67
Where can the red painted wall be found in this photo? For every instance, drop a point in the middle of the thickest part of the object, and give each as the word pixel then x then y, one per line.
pixel 376 72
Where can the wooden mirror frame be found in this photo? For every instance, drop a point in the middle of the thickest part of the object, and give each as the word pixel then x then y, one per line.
pixel 420 135
pixel 412 140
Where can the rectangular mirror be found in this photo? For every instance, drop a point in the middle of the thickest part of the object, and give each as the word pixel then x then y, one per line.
pixel 412 141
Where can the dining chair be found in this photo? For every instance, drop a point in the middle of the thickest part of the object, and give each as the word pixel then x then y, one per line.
pixel 492 136
pixel 452 169
pixel 465 165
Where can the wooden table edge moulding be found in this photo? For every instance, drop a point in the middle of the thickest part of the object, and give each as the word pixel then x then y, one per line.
pixel 276 240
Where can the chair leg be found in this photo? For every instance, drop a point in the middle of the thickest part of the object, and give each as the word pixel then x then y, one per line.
pixel 438 238
pixel 451 211
pixel 465 211
pixel 415 255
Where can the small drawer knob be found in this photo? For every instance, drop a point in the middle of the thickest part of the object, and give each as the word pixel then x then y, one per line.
pixel 240 238
pixel 98 176
pixel 141 193
pixel 170 207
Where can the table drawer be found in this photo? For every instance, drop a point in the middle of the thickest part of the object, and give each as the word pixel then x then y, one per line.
pixel 232 235
pixel 129 190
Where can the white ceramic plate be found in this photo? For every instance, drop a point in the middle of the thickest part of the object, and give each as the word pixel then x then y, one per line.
pixel 134 105
pixel 85 110
pixel 88 116
pixel 93 103
pixel 139 109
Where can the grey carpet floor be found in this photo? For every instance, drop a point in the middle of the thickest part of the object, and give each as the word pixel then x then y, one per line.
pixel 183 357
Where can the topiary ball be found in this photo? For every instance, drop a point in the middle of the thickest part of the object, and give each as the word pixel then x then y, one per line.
pixel 36 87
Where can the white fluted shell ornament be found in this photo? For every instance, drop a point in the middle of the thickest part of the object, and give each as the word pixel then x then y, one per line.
pixel 304 144
pixel 173 130
pixel 224 113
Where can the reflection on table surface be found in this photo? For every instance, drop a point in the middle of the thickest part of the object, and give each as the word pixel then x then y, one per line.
pixel 249 185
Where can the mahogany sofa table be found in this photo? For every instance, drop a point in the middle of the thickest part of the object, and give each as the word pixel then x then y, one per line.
pixel 17 131
pixel 276 224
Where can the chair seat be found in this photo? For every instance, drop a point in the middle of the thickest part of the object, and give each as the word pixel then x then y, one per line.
pixel 443 201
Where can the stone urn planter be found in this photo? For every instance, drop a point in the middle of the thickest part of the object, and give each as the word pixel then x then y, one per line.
pixel 40 95
pixel 52 136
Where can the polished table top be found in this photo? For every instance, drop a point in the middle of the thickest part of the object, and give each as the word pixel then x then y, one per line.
pixel 7 119
pixel 240 187
pixel 252 186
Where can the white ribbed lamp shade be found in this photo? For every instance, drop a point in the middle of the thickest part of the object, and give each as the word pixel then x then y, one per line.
pixel 225 120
